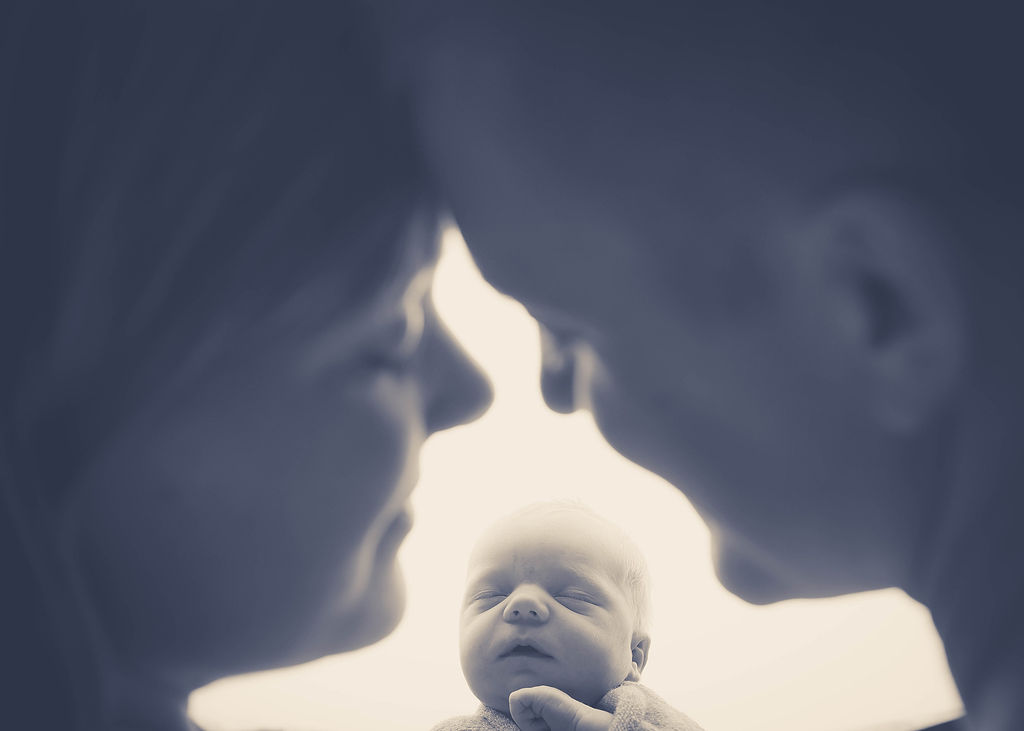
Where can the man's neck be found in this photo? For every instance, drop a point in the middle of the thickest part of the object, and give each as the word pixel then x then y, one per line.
pixel 154 712
pixel 134 699
pixel 971 579
pixel 979 613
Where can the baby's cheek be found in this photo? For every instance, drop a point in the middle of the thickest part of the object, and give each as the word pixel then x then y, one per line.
pixel 480 673
pixel 604 664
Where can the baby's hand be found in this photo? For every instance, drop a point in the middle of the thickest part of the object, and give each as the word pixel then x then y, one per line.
pixel 543 708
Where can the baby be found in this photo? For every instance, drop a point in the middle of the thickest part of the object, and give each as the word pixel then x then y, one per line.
pixel 554 628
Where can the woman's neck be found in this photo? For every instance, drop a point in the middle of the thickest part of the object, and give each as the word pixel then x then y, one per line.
pixel 117 695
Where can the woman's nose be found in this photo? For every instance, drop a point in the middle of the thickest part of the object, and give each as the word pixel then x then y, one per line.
pixel 456 390
pixel 526 606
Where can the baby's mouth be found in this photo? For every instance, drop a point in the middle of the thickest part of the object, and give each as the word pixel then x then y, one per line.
pixel 525 651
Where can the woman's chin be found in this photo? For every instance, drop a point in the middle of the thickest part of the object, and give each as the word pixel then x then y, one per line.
pixel 374 612
pixel 383 605
pixel 377 615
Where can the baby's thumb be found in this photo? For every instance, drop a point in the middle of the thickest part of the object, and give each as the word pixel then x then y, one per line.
pixel 543 708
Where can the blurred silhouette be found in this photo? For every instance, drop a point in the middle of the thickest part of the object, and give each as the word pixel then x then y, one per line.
pixel 773 250
pixel 219 354
pixel 776 252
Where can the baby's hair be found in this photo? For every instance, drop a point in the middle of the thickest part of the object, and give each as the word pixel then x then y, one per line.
pixel 636 576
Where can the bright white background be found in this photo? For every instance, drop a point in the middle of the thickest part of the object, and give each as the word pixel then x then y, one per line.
pixel 868 661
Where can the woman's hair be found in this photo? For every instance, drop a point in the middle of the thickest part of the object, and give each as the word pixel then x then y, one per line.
pixel 171 174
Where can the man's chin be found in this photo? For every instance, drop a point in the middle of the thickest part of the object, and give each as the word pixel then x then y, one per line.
pixel 748 578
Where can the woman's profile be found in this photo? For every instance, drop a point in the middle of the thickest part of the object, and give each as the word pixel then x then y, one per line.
pixel 220 355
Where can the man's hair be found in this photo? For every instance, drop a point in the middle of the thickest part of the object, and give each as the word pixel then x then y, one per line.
pixel 636 575
pixel 749 103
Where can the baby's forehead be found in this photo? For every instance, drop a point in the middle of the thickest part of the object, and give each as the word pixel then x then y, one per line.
pixel 560 545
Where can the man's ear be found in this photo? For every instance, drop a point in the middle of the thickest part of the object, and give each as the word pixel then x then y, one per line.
pixel 893 297
pixel 641 650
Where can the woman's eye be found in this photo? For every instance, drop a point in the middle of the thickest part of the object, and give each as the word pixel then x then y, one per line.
pixel 414 316
pixel 414 325
pixel 401 343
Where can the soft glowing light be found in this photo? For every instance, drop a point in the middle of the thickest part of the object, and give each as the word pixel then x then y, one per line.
pixel 869 661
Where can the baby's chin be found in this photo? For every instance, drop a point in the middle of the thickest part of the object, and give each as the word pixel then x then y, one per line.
pixel 495 695
pixel 494 692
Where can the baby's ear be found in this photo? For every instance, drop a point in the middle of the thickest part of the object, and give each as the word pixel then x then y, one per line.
pixel 641 649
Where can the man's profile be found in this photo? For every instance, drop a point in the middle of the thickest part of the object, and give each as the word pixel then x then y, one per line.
pixel 775 252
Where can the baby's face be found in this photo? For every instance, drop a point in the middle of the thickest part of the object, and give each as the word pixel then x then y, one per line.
pixel 545 605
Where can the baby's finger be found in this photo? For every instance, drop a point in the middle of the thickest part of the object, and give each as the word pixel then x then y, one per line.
pixel 524 705
pixel 543 708
pixel 540 708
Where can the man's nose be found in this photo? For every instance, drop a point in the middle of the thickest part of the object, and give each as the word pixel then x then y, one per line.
pixel 556 372
pixel 526 606
pixel 457 391
pixel 568 365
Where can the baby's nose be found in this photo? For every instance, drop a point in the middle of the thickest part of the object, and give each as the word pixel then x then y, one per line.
pixel 526 606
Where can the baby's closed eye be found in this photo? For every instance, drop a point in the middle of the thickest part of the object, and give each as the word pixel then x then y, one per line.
pixel 486 599
pixel 576 601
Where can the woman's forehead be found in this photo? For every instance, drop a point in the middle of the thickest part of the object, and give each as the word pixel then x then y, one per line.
pixel 406 262
pixel 393 265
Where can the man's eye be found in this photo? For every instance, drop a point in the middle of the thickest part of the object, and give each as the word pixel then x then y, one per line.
pixel 488 597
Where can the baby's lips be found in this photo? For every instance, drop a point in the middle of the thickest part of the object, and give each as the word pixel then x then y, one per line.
pixel 525 646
